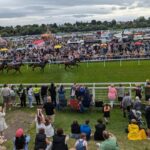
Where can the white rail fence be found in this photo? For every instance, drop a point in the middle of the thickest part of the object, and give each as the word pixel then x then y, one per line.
pixel 98 90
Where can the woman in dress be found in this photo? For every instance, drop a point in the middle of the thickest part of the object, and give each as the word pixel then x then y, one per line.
pixel 3 124
pixel 112 94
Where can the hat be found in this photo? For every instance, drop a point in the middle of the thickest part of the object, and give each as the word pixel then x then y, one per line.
pixel 137 98
pixel 133 121
pixel 19 132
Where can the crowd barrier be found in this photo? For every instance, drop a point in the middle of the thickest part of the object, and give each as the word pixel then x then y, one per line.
pixel 98 90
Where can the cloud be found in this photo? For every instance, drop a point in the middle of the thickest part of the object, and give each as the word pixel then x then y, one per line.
pixel 15 12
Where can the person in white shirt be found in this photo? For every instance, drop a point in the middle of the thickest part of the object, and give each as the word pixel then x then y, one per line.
pixel 5 93
pixel 30 96
pixel 39 120
pixel 49 130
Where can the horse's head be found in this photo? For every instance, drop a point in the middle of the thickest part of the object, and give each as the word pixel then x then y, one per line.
pixel 46 62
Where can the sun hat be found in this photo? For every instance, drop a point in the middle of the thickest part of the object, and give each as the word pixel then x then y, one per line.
pixel 19 132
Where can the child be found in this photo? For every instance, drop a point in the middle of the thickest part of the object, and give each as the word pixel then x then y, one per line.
pixel 3 124
pixel 81 144
pixel 106 111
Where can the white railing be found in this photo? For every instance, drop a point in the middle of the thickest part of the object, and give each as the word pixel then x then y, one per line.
pixel 98 90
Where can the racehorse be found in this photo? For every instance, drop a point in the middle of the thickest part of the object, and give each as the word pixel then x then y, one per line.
pixel 39 65
pixel 15 67
pixel 3 66
pixel 68 64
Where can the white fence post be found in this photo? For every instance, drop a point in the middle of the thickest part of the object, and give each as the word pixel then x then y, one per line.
pixel 93 92
pixel 130 90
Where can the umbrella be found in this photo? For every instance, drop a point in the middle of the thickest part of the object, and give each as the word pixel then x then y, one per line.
pixel 57 46
pixel 138 43
pixel 3 49
pixel 39 42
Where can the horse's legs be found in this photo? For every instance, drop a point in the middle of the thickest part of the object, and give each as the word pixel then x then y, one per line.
pixel 77 65
pixel 66 67
pixel 19 70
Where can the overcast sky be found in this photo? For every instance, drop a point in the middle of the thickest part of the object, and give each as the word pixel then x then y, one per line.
pixel 14 12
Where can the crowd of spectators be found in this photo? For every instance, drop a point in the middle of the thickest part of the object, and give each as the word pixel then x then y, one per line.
pixel 49 137
pixel 83 51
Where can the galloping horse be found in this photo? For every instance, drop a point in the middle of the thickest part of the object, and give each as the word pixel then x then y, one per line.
pixel 39 65
pixel 15 67
pixel 3 66
pixel 68 64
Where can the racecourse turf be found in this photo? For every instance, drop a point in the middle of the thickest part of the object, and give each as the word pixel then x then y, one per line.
pixel 131 71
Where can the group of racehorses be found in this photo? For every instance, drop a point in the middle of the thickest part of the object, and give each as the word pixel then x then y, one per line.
pixel 17 66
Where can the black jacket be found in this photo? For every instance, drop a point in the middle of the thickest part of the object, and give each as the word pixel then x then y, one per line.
pixel 59 143
pixel 98 135
pixel 40 142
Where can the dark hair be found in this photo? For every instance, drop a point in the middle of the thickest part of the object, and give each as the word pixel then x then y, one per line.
pixel 99 121
pixel 60 131
pixel 5 85
pixel 75 122
pixel 20 142
pixel 82 135
pixel 87 121
pixel 42 131
pixel 105 134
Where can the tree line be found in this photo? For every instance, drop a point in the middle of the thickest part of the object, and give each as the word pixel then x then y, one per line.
pixel 94 25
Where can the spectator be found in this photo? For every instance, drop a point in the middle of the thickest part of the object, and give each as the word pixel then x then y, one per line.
pixel 81 144
pixel 135 133
pixel 39 120
pixel 5 93
pixel 52 91
pixel 44 93
pixel 22 95
pixel 138 91
pixel 75 130
pixel 36 91
pixel 73 91
pixel 85 128
pixel 112 94
pixel 121 94
pixel 41 141
pixel 13 95
pixel 106 111
pixel 60 141
pixel 49 109
pixel 147 90
pixel 21 141
pixel 99 128
pixel 137 105
pixel 126 104
pixel 49 130
pixel 30 96
pixel 3 124
pixel 61 96
pixel 86 98
pixel 147 116
pixel 110 142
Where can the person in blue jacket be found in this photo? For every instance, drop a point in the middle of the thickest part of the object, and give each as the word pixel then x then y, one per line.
pixel 85 128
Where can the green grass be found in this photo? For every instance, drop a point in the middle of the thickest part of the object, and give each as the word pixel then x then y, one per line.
pixel 93 72
pixel 117 126
pixel 130 71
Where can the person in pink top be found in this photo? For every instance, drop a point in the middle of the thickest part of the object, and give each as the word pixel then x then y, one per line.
pixel 112 94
